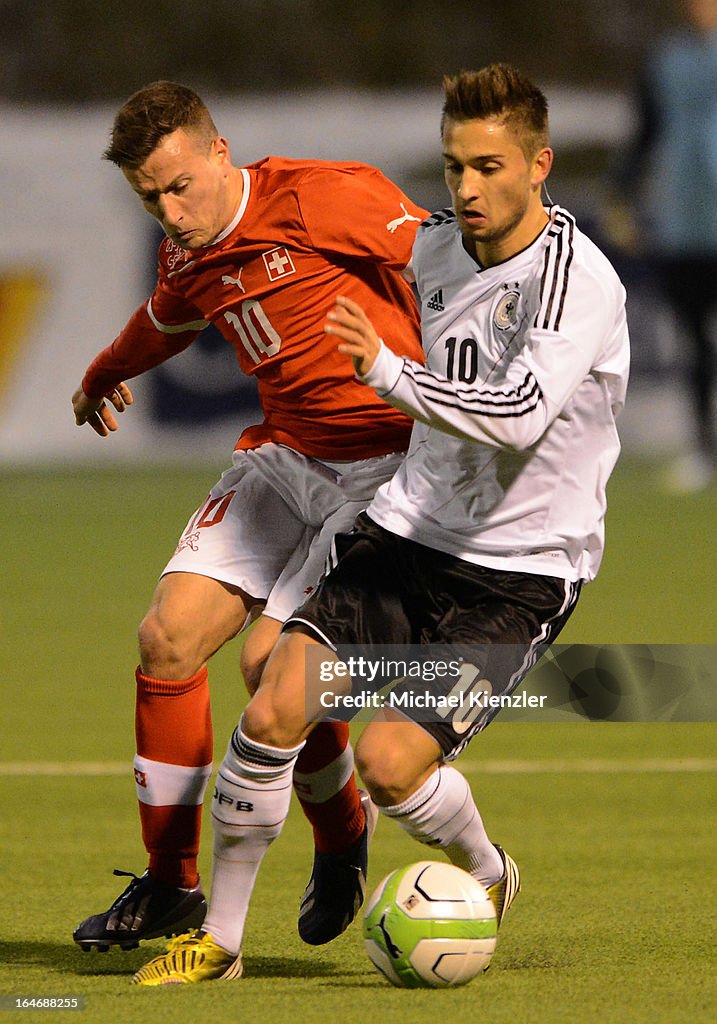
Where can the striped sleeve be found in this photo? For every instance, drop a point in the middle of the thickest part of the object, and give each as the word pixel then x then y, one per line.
pixel 556 272
pixel 514 415
pixel 509 402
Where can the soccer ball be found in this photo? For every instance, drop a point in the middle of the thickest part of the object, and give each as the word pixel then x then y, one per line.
pixel 430 925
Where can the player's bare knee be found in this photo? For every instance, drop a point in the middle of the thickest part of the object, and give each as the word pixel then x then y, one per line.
pixel 258 722
pixel 384 772
pixel 264 722
pixel 251 667
pixel 165 652
pixel 256 651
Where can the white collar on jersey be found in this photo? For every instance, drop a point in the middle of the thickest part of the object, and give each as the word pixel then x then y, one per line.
pixel 525 254
pixel 246 181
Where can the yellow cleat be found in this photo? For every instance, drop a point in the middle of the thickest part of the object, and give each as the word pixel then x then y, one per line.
pixel 190 958
pixel 503 892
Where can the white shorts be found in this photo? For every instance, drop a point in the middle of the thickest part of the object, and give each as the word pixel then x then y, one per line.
pixel 267 525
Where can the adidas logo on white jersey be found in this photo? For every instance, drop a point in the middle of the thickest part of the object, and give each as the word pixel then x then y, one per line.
pixel 436 301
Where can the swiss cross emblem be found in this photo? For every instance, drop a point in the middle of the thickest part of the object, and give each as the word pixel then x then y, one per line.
pixel 140 778
pixel 278 263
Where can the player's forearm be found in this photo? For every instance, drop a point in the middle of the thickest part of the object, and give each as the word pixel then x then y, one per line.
pixel 515 415
pixel 139 347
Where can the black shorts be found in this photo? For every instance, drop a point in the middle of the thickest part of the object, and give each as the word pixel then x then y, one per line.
pixel 387 590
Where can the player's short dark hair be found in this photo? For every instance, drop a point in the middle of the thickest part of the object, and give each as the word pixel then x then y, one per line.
pixel 148 115
pixel 498 91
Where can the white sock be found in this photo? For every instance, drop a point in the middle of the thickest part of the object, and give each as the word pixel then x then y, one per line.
pixel 443 814
pixel 251 802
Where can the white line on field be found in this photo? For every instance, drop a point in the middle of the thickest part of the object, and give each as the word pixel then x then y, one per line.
pixel 46 768
pixel 566 766
pixel 590 766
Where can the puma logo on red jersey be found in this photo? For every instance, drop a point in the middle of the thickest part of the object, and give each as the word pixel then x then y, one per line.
pixel 227 279
pixel 394 224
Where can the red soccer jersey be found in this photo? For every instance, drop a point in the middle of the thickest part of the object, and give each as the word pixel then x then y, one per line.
pixel 305 232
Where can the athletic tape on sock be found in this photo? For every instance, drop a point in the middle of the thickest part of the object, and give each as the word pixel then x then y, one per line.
pixel 163 785
pixel 319 786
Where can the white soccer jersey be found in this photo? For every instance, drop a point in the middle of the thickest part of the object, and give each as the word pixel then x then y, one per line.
pixel 526 370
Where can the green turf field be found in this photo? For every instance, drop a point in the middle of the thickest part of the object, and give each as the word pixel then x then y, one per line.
pixel 611 823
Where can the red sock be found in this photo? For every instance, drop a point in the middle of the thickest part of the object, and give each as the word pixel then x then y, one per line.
pixel 174 758
pixel 325 785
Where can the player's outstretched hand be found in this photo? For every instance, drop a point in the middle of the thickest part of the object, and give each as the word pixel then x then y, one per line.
pixel 97 413
pixel 360 341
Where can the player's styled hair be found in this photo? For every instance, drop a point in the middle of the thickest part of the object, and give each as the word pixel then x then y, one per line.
pixel 148 115
pixel 498 91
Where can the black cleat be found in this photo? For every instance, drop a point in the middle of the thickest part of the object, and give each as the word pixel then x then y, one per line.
pixel 147 909
pixel 337 886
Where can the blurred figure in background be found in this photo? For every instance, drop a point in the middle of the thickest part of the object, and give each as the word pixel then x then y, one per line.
pixel 668 181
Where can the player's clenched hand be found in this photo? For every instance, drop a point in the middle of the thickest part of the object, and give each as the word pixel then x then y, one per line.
pixel 96 412
pixel 360 341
